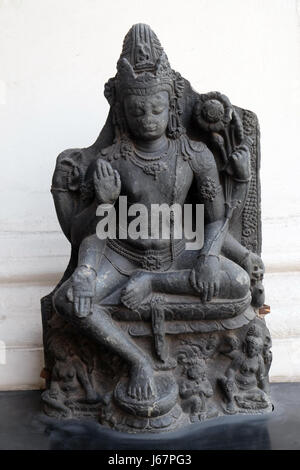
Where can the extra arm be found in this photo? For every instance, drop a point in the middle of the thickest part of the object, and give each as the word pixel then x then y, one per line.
pixel 210 193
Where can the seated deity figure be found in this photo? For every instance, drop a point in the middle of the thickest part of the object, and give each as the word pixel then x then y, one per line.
pixel 245 374
pixel 68 376
pixel 151 160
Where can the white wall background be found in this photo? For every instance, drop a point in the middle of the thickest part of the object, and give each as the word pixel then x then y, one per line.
pixel 55 56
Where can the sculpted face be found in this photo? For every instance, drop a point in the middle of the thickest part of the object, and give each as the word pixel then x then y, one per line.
pixel 196 373
pixel 147 116
pixel 253 348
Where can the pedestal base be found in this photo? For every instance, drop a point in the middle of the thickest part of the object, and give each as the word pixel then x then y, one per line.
pixel 199 374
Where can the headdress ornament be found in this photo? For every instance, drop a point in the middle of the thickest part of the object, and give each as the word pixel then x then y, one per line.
pixel 143 64
pixel 143 69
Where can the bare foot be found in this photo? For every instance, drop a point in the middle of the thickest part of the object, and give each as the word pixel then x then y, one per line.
pixel 141 384
pixel 231 407
pixel 92 397
pixel 137 289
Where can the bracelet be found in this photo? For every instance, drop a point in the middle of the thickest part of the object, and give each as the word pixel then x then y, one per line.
pixel 88 266
pixel 245 257
pixel 241 180
pixel 207 255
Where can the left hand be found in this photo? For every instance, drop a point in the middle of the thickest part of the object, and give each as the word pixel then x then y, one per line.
pixel 239 162
pixel 205 277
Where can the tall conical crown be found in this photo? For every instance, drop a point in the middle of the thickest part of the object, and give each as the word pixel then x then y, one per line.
pixel 143 65
pixel 142 48
pixel 143 69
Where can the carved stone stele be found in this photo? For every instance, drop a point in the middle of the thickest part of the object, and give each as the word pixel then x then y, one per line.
pixel 142 333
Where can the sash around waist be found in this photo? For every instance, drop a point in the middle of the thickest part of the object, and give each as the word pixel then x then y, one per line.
pixel 150 260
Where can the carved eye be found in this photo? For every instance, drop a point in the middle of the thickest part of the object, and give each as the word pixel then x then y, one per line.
pixel 136 111
pixel 158 110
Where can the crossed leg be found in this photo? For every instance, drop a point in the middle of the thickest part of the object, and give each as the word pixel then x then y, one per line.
pixel 234 282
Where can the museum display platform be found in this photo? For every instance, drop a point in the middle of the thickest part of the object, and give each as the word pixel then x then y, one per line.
pixel 22 426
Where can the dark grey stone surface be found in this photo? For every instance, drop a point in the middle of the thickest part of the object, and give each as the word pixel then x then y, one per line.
pixel 141 333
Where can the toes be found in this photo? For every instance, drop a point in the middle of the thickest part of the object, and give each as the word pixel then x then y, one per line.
pixel 133 301
pixel 130 299
pixel 129 290
pixel 128 302
pixel 81 305
pixel 148 392
pixel 133 305
pixel 132 392
pixel 125 296
pixel 128 305
pixel 76 304
pixel 128 295
pixel 125 292
pixel 141 392
pixel 210 292
pixel 124 301
pixel 215 294
pixel 88 305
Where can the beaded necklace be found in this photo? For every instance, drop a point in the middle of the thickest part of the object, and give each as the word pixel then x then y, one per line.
pixel 155 163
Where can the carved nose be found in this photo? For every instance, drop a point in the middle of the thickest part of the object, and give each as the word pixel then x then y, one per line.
pixel 148 122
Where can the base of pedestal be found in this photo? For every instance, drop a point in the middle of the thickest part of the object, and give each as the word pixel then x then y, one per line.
pixel 199 375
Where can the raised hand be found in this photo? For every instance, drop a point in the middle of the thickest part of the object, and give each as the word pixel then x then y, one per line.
pixel 205 277
pixel 107 183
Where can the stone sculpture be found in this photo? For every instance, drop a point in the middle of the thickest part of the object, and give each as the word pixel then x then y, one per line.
pixel 167 330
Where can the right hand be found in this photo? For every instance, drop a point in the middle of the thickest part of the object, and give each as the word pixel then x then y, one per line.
pixel 83 290
pixel 107 183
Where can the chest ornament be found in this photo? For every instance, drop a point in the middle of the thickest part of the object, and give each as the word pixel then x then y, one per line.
pixel 152 164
